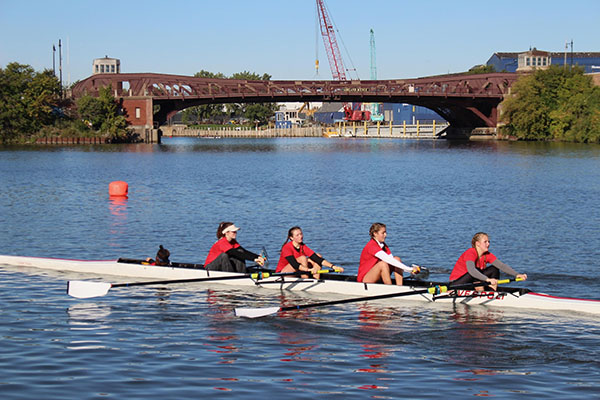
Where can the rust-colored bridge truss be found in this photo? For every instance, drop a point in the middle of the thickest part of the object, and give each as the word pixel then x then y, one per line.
pixel 463 100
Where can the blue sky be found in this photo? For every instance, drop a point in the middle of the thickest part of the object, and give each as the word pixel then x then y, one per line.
pixel 278 37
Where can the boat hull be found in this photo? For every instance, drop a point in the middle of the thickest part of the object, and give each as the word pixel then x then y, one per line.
pixel 344 285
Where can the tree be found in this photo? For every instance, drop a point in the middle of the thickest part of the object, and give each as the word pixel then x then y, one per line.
pixel 259 112
pixel 207 111
pixel 482 69
pixel 101 114
pixel 28 101
pixel 553 104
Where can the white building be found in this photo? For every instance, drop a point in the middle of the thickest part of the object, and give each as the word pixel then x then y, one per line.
pixel 106 65
pixel 533 59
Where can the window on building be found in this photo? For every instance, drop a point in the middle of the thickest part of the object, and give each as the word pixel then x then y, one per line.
pixel 527 62
pixel 112 68
pixel 138 112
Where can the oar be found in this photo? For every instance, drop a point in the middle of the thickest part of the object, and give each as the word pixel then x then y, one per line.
pixel 88 289
pixel 438 289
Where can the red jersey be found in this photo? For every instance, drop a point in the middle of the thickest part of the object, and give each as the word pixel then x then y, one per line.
pixel 460 268
pixel 288 249
pixel 368 259
pixel 220 246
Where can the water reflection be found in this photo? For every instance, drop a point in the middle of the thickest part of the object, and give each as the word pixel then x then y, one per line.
pixel 88 318
pixel 224 338
pixel 117 206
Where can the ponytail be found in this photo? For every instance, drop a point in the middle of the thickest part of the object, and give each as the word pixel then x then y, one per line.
pixel 289 235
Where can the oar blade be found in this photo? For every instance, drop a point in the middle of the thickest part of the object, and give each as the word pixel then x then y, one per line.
pixel 87 289
pixel 255 312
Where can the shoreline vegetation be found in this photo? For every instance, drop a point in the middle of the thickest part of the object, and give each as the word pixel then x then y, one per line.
pixel 556 104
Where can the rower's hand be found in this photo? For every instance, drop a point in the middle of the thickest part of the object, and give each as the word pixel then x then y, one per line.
pixel 521 277
pixel 260 260
pixel 415 269
pixel 493 283
pixel 337 269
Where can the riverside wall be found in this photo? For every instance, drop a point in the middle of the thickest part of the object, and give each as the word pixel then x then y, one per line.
pixel 416 131
pixel 184 131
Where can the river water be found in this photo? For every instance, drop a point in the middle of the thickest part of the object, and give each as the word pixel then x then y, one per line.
pixel 537 201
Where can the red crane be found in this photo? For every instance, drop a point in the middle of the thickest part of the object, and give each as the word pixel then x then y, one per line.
pixel 338 71
pixel 329 40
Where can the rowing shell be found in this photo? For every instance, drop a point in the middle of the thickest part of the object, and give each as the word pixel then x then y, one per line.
pixel 338 284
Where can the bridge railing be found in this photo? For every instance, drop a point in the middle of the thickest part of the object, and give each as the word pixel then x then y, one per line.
pixel 160 86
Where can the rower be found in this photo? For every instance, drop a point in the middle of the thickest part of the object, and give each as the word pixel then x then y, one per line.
pixel 227 254
pixel 377 261
pixel 162 257
pixel 473 266
pixel 296 256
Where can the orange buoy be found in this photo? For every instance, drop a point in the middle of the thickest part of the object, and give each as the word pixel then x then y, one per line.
pixel 118 189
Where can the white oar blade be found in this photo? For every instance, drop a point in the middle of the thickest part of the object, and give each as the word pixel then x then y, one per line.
pixel 87 289
pixel 255 312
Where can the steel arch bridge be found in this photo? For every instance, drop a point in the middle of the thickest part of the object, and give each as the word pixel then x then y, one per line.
pixel 465 101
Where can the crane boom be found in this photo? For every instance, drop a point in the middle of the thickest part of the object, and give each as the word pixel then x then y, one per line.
pixel 373 60
pixel 329 40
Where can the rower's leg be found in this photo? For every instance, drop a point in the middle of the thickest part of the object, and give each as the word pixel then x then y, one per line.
pixel 221 263
pixel 398 277
pixel 379 273
pixel 238 265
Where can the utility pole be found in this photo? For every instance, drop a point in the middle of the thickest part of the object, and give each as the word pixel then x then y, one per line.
pixel 571 55
pixel 60 64
pixel 54 59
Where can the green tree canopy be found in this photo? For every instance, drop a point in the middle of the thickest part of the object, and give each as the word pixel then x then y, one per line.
pixel 28 100
pixel 553 104
pixel 101 114
pixel 482 69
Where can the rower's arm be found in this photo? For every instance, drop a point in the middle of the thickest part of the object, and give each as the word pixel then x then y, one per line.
pixel 388 258
pixel 474 272
pixel 242 254
pixel 293 262
pixel 318 259
pixel 504 268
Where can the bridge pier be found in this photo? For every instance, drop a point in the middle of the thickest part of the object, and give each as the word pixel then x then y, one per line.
pixel 139 112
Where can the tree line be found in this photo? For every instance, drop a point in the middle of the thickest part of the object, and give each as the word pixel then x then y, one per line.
pixel 32 106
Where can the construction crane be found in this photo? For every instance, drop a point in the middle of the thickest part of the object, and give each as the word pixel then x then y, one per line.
pixel 373 60
pixel 329 40
pixel 352 112
pixel 375 107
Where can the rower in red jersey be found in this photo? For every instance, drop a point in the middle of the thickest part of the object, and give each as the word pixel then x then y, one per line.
pixel 227 254
pixel 473 266
pixel 296 256
pixel 377 262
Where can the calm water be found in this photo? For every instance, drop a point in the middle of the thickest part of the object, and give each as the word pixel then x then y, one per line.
pixel 538 202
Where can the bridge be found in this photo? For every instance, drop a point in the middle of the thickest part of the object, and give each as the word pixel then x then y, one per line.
pixel 465 101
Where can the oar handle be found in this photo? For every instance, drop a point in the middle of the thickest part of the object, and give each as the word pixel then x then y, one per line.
pixel 476 284
pixel 437 289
